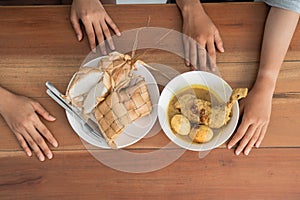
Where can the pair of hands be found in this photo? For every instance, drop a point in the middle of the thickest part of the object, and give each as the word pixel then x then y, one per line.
pixel 21 115
pixel 31 132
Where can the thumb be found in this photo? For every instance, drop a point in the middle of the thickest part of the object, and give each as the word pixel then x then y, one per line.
pixel 41 111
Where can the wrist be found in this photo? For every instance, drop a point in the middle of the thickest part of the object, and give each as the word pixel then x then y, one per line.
pixel 189 6
pixel 5 98
pixel 265 84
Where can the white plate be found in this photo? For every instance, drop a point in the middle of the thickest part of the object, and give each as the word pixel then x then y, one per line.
pixel 213 82
pixel 133 132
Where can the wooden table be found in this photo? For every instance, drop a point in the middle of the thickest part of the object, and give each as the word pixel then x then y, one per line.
pixel 37 44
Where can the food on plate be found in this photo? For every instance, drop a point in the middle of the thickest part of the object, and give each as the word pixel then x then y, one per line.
pixel 203 109
pixel 81 83
pixel 180 124
pixel 111 94
pixel 119 109
pixel 201 134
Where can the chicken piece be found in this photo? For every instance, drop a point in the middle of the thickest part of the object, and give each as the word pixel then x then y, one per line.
pixel 180 124
pixel 201 134
pixel 201 112
pixel 221 114
pixel 192 108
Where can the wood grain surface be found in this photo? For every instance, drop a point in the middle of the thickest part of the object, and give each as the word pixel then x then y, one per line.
pixel 37 44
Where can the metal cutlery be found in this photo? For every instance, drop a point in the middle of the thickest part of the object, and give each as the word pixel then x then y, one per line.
pixel 88 125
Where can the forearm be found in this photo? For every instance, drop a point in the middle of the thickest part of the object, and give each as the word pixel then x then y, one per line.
pixel 279 29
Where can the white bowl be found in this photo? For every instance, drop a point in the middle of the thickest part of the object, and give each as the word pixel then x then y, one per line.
pixel 215 84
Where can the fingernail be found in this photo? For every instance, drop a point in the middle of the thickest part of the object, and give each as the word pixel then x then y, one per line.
pixel 229 146
pixel 246 153
pixel 237 153
pixel 113 47
pixel 94 50
pixel 187 63
pixel 78 37
pixel 257 145
pixel 49 155
pixel 118 34
pixel 55 144
pixel 52 118
pixel 29 153
pixel 222 50
pixel 42 158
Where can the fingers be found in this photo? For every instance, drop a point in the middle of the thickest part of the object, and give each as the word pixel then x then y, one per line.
pixel 41 111
pixel 219 42
pixel 186 50
pixel 113 25
pixel 95 26
pixel 248 135
pixel 193 54
pixel 239 134
pixel 40 126
pixel 31 142
pixel 23 144
pixel 252 140
pixel 100 38
pixel 107 35
pixel 262 135
pixel 40 144
pixel 212 54
pixel 32 132
pixel 202 58
pixel 46 133
pixel 90 33
pixel 76 26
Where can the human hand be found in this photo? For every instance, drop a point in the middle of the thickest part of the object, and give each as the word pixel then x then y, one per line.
pixel 95 20
pixel 21 115
pixel 256 109
pixel 205 37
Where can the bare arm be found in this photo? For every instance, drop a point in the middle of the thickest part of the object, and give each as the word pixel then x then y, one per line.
pixel 21 115
pixel 279 29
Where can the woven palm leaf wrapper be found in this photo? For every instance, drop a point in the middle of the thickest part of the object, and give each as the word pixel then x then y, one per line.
pixel 127 101
pixel 120 109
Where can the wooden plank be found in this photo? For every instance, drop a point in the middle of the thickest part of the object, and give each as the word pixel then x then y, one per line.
pixel 267 174
pixel 241 29
pixel 283 130
pixel 29 2
pixel 34 50
pixel 30 80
